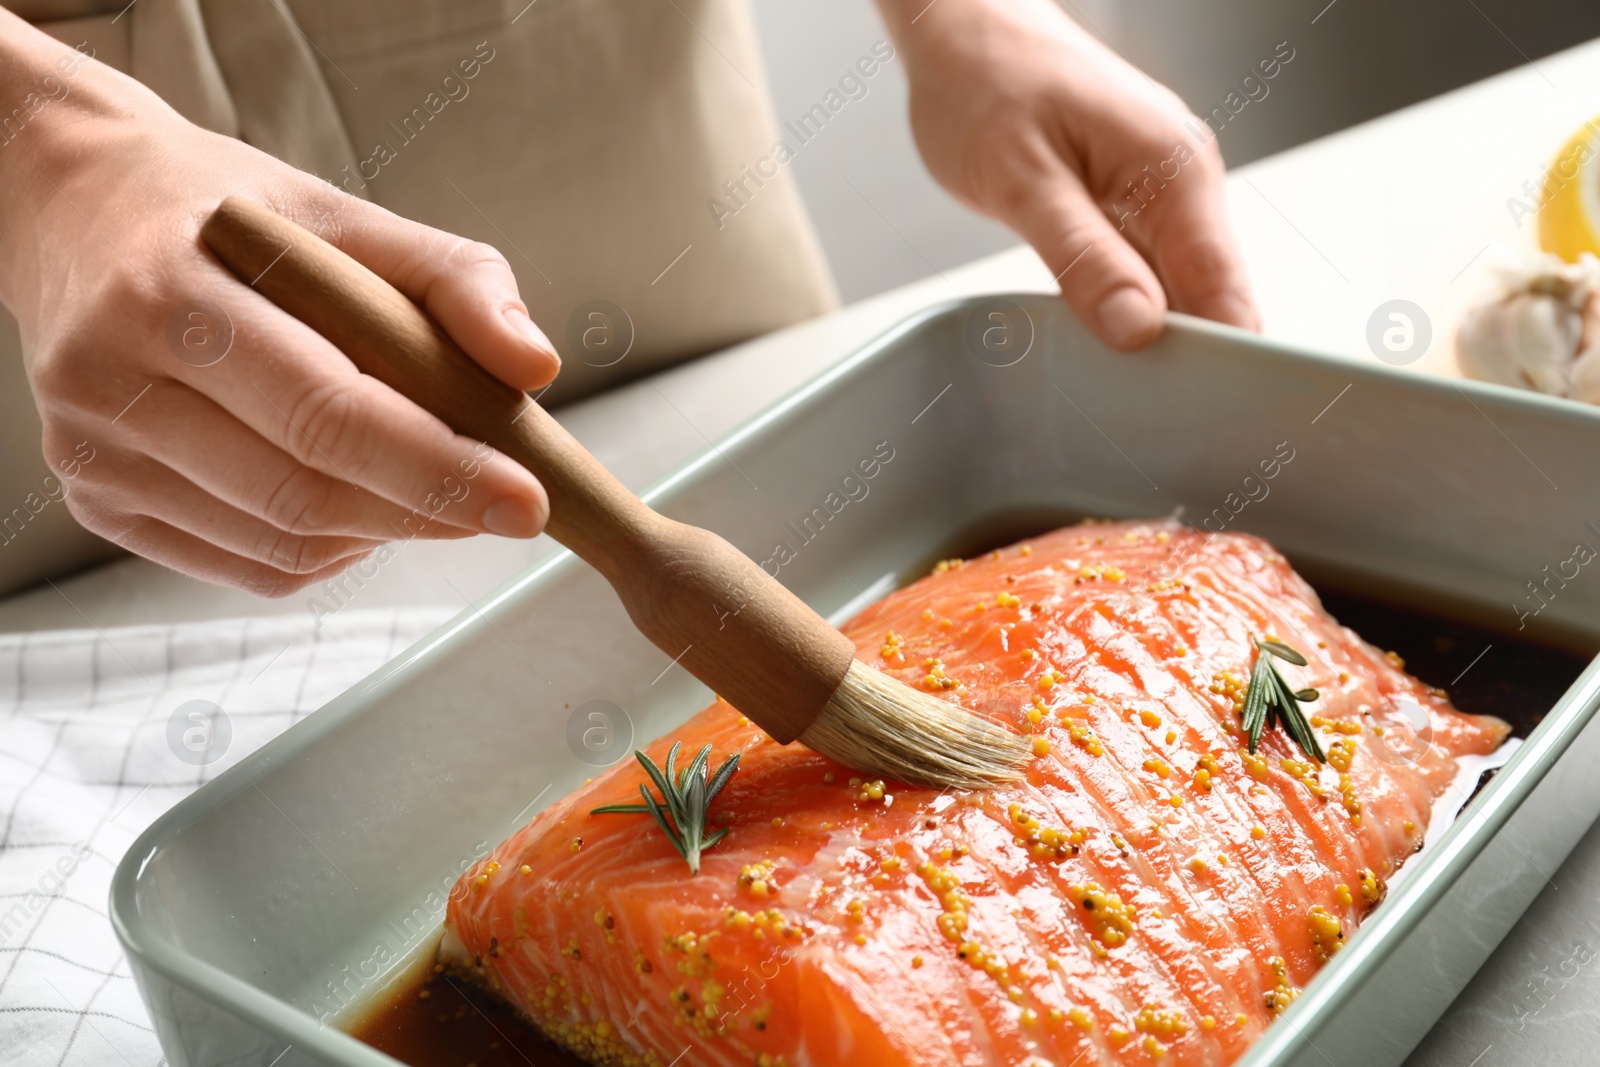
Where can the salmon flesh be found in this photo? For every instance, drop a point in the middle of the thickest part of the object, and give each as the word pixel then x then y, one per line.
pixel 1148 888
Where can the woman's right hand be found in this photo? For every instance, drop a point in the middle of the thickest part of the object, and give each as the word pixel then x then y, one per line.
pixel 223 437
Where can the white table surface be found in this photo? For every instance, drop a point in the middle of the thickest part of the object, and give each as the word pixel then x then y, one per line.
pixel 1401 207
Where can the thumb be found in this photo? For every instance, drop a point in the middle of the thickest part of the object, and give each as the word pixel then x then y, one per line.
pixel 1102 277
pixel 467 286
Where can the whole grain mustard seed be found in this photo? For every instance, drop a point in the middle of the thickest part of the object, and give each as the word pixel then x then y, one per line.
pixel 871 792
pixel 1326 933
pixel 1168 1023
pixel 1158 766
pixel 1108 919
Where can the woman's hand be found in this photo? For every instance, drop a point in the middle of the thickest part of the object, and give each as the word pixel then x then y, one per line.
pixel 1024 116
pixel 223 437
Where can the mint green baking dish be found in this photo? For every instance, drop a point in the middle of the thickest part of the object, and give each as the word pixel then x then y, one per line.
pixel 266 907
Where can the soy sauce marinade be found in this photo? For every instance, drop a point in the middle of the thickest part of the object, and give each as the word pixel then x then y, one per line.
pixel 438 1022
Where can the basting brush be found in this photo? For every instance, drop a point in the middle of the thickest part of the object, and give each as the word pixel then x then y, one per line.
pixel 776 660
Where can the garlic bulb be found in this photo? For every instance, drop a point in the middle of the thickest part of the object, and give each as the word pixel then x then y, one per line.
pixel 1541 332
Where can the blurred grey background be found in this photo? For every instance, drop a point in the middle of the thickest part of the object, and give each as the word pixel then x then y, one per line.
pixel 883 220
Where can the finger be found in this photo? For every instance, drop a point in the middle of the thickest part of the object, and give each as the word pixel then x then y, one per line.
pixel 188 433
pixel 141 488
pixel 1184 232
pixel 1102 277
pixel 467 286
pixel 187 554
pixel 295 389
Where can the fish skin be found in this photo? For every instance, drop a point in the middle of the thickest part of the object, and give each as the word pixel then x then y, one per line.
pixel 615 951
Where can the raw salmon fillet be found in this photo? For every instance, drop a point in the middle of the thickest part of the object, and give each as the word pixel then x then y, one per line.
pixel 1147 889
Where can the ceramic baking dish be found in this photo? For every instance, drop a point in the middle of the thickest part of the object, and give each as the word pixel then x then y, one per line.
pixel 259 909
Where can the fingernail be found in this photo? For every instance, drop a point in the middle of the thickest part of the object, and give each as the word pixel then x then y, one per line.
pixel 532 334
pixel 1128 318
pixel 512 516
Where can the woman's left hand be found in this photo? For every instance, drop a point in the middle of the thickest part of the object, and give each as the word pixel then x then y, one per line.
pixel 1025 117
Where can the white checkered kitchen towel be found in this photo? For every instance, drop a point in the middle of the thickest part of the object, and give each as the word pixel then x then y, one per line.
pixel 102 731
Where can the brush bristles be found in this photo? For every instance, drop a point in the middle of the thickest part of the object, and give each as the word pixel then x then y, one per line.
pixel 883 727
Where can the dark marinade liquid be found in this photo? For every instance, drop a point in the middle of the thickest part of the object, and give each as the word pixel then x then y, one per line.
pixel 437 1021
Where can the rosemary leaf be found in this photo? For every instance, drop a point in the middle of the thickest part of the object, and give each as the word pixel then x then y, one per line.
pixel 720 779
pixel 666 827
pixel 1294 720
pixel 663 781
pixel 1281 650
pixel 672 759
pixel 694 800
pixel 1256 701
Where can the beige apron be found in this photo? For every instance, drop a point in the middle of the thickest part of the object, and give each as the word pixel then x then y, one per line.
pixel 583 138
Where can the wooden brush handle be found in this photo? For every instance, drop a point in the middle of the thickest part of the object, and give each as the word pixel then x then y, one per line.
pixel 700 600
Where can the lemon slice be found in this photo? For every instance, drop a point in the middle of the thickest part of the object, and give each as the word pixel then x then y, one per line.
pixel 1569 220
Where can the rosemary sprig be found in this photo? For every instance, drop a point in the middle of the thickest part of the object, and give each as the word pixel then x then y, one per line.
pixel 686 796
pixel 1269 700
